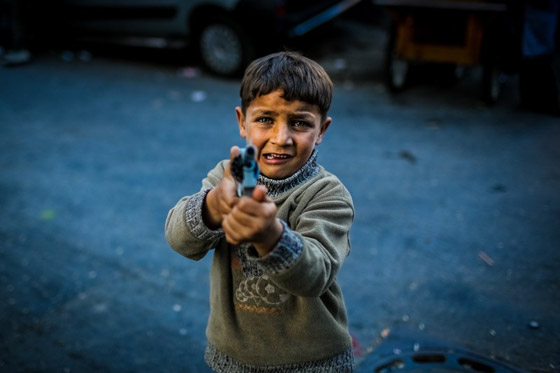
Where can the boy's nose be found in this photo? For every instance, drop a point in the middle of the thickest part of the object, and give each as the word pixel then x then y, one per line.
pixel 281 135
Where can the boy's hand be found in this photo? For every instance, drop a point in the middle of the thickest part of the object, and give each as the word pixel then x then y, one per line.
pixel 220 201
pixel 254 220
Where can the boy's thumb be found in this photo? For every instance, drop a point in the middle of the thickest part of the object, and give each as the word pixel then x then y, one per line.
pixel 233 153
pixel 259 194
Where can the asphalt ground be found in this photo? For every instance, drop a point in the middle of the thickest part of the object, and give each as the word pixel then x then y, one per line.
pixel 456 234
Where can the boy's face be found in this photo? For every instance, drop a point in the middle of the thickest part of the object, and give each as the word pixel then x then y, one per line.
pixel 284 132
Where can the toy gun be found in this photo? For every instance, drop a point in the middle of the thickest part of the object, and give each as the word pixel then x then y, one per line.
pixel 245 170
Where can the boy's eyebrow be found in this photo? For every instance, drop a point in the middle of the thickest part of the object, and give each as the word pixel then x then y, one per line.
pixel 303 112
pixel 264 112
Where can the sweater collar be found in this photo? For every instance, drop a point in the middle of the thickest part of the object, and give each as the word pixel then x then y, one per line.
pixel 278 186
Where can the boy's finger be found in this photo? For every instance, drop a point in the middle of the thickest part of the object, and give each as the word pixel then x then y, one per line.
pixel 228 189
pixel 259 194
pixel 232 240
pixel 232 229
pixel 226 207
pixel 233 153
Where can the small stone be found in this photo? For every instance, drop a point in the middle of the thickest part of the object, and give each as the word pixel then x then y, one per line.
pixel 340 64
pixel 67 56
pixel 198 96
pixel 189 72
pixel 533 324
pixel 385 333
pixel 84 56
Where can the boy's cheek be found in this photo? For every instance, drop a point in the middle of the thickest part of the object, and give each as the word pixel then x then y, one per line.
pixel 254 134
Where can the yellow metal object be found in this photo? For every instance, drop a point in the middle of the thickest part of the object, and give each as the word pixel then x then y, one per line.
pixel 465 50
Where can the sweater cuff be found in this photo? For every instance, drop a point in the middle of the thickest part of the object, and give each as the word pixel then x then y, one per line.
pixel 193 215
pixel 283 255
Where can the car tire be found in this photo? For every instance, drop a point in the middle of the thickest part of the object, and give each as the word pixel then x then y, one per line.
pixel 225 49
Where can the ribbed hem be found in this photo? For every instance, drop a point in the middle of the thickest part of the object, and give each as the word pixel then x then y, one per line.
pixel 193 215
pixel 222 363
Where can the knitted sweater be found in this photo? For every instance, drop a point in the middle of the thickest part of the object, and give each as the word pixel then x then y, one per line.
pixel 285 311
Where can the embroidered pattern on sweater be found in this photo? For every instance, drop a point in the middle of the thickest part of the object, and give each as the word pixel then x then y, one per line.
pixel 249 268
pixel 255 292
pixel 259 292
pixel 259 310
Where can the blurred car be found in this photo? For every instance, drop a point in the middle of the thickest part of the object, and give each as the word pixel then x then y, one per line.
pixel 228 33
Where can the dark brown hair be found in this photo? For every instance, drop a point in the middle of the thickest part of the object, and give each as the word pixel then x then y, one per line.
pixel 299 77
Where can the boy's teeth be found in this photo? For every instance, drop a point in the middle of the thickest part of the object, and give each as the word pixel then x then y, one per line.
pixel 276 156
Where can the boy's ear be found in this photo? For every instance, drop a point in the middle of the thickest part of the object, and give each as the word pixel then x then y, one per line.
pixel 241 121
pixel 324 127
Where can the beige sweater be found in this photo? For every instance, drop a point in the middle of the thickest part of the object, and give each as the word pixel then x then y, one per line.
pixel 285 311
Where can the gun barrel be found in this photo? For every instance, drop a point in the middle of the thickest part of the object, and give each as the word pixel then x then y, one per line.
pixel 248 172
pixel 248 156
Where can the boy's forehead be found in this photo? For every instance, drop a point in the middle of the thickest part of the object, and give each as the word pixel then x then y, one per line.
pixel 275 101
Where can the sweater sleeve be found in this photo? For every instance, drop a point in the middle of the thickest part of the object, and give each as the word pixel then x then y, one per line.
pixel 314 244
pixel 185 230
pixel 284 254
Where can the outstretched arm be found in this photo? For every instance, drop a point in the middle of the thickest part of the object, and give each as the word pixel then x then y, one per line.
pixel 193 225
pixel 220 200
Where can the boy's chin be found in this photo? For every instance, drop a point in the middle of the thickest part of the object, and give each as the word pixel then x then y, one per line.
pixel 276 174
pixel 280 171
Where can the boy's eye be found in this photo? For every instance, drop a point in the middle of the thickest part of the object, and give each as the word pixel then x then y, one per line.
pixel 266 120
pixel 301 124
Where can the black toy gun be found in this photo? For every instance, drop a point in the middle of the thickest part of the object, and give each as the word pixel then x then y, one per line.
pixel 245 170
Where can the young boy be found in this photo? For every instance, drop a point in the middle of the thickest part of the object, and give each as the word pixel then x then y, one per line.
pixel 275 304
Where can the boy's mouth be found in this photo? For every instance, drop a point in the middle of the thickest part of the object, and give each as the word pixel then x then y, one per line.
pixel 276 156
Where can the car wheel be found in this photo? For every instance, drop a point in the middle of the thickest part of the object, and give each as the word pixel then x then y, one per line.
pixel 224 47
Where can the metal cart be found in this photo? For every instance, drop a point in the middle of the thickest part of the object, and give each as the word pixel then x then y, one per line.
pixel 442 31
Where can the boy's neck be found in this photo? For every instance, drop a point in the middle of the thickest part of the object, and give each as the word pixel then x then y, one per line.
pixel 278 186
